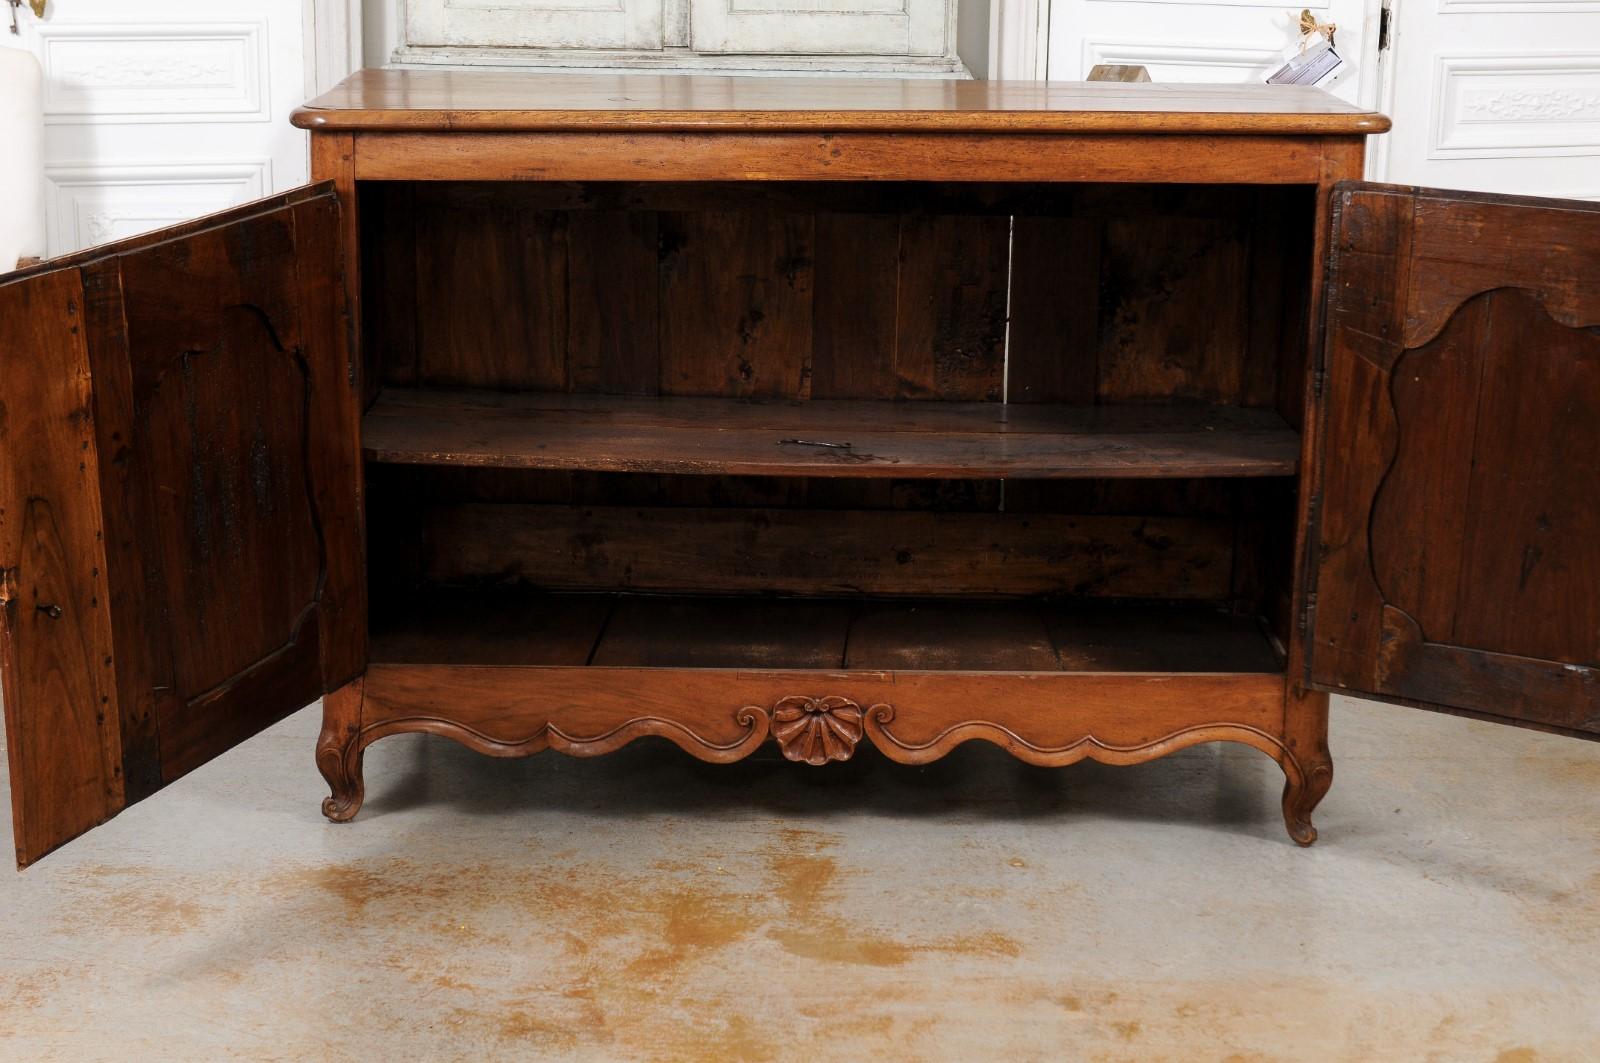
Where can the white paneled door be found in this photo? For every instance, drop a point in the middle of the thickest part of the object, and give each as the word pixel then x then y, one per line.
pixel 1495 96
pixel 885 36
pixel 599 24
pixel 1222 40
pixel 165 110
pixel 822 27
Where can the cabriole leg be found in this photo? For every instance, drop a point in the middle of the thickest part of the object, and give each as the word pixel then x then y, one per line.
pixel 1305 718
pixel 338 751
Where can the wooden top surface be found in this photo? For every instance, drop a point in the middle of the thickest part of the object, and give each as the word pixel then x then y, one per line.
pixel 490 101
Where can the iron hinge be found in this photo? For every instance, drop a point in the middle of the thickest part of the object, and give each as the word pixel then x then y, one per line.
pixel 1385 17
pixel 1308 613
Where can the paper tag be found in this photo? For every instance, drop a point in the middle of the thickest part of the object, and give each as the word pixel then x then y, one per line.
pixel 1317 65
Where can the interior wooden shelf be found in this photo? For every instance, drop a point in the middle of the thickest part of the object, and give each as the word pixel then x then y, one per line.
pixel 964 440
pixel 684 631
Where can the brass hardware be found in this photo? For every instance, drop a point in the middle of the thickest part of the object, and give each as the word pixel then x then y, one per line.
pixel 36 6
pixel 1310 27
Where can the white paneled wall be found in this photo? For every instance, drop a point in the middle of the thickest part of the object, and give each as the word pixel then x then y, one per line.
pixel 164 111
pixel 1497 96
pixel 888 36
pixel 1194 40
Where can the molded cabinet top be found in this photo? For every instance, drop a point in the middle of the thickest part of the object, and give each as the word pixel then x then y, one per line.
pixel 483 100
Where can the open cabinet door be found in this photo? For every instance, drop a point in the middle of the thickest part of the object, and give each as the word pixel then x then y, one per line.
pixel 1457 538
pixel 179 509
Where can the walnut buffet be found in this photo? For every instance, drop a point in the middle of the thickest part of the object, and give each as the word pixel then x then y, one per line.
pixel 1087 420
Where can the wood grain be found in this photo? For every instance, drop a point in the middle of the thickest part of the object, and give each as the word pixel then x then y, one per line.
pixel 736 304
pixel 721 715
pixel 462 100
pixel 1463 392
pixel 824 438
pixel 651 632
pixel 477 259
pixel 1169 159
pixel 613 313
pixel 511 627
pixel 806 551
pixel 63 734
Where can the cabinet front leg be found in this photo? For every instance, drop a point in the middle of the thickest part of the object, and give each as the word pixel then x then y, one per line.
pixel 1305 717
pixel 339 751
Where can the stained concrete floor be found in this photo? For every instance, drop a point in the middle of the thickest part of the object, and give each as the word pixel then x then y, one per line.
pixel 647 907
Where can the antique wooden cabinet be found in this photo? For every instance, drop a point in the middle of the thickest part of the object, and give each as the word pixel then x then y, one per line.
pixel 1088 420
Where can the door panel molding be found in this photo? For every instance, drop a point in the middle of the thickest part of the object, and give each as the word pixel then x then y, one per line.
pixel 95 203
pixel 1515 104
pixel 1184 61
pixel 1452 541
pixel 180 517
pixel 99 72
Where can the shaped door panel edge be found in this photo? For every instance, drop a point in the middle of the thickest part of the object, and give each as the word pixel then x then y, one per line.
pixel 179 504
pixel 1456 560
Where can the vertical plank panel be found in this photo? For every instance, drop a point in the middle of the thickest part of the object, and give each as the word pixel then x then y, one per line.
pixel 495 277
pixel 853 341
pixel 146 687
pixel 613 302
pixel 63 734
pixel 952 307
pixel 390 302
pixel 1531 541
pixel 1055 310
pixel 1174 321
pixel 736 304
pixel 1269 290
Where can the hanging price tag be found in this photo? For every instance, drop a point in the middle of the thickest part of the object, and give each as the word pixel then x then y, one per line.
pixel 1317 65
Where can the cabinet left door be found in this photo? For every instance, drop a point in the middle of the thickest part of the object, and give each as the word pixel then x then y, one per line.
pixel 180 513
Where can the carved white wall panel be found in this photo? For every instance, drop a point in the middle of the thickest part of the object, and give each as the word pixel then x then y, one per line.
pixel 99 72
pixel 1174 61
pixel 1493 106
pixel 91 204
pixel 1516 7
pixel 535 23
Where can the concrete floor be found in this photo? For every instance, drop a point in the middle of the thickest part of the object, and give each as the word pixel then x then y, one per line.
pixel 647 907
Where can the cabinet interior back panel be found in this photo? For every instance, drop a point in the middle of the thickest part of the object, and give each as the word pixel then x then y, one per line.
pixel 860 291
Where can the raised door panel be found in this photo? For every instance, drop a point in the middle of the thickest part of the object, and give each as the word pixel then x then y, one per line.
pixel 579 24
pixel 821 27
pixel 1458 543
pixel 179 507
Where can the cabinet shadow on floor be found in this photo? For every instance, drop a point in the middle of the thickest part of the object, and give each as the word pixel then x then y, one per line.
pixel 1219 785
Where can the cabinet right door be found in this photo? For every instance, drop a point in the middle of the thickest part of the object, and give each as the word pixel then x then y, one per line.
pixel 1455 546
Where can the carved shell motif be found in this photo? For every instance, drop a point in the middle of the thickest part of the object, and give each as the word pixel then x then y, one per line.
pixel 816 730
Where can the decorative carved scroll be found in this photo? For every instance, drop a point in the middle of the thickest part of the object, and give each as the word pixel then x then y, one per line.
pixel 816 730
pixel 754 720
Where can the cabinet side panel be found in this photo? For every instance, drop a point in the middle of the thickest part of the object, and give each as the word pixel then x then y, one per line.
pixel 55 626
